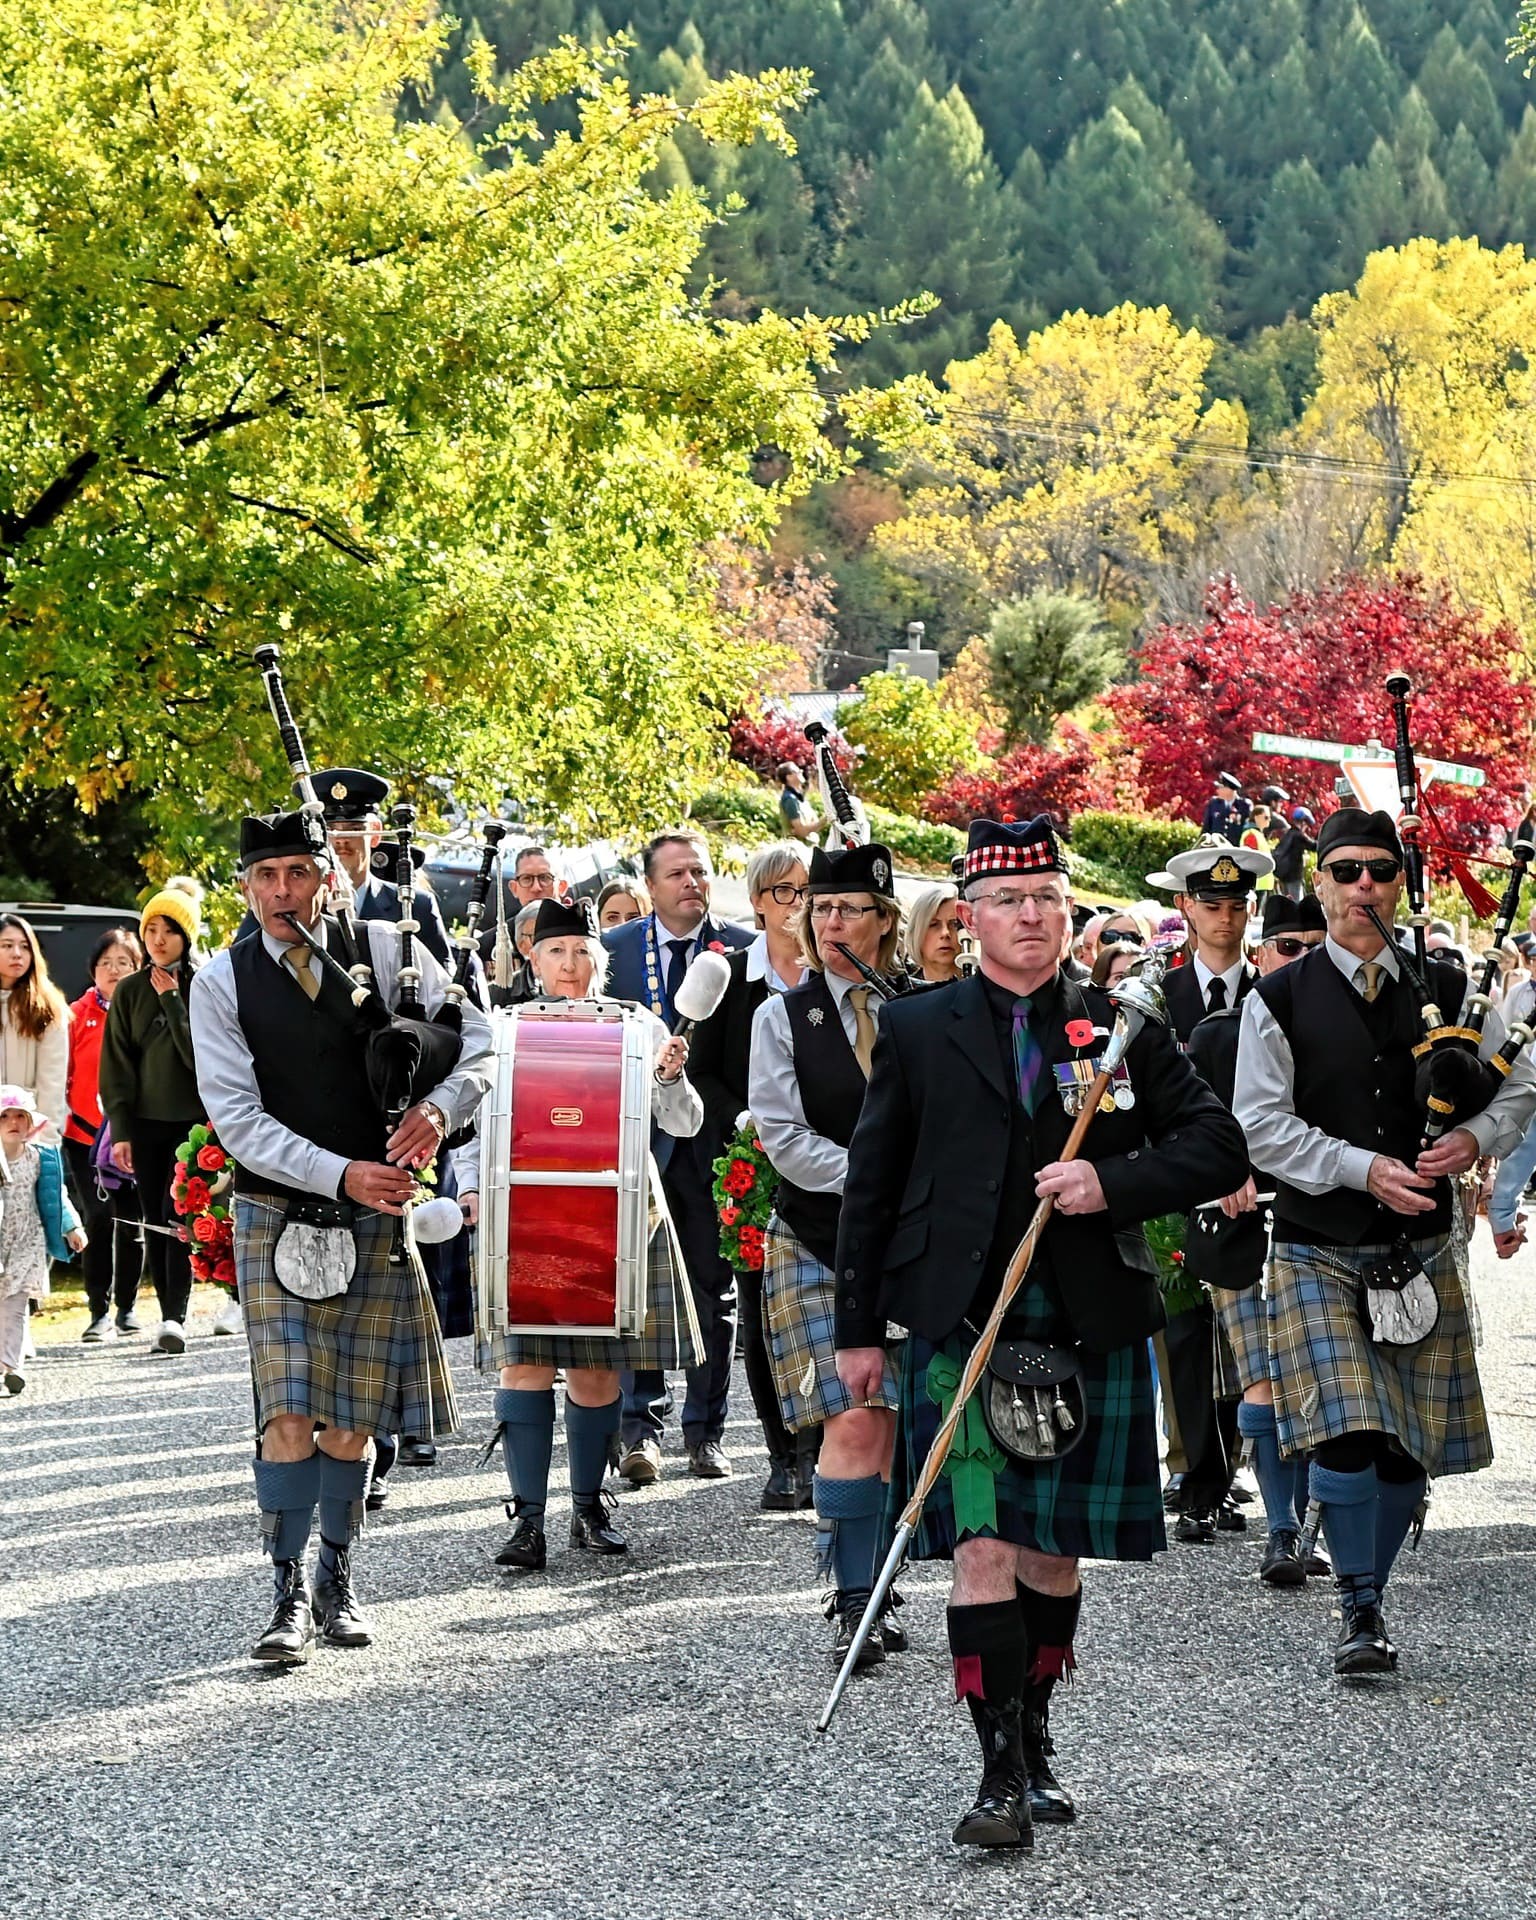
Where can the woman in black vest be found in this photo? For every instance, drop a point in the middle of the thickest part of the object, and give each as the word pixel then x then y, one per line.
pixel 718 1066
pixel 811 1051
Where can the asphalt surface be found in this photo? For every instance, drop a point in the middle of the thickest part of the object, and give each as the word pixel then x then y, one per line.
pixel 635 1738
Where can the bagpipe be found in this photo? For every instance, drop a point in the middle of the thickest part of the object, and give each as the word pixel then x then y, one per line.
pixel 849 829
pixel 1452 1082
pixel 407 1054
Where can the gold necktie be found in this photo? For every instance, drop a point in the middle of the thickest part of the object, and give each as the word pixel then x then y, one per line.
pixel 1371 971
pixel 863 1027
pixel 300 959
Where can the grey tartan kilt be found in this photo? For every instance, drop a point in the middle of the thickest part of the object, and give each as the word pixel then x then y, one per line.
pixel 799 1317
pixel 1242 1340
pixel 1331 1378
pixel 368 1361
pixel 665 1341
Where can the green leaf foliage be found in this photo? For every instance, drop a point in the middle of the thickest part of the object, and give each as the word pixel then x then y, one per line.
pixel 1047 653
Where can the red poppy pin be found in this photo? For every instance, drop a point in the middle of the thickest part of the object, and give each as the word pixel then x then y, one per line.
pixel 1079 1033
pixel 717 946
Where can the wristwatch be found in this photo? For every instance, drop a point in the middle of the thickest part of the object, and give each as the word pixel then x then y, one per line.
pixel 431 1107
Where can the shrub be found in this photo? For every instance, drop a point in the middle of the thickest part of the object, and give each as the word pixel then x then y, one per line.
pixel 1129 846
pixel 740 809
pixel 1058 781
pixel 915 843
pixel 764 741
pixel 909 741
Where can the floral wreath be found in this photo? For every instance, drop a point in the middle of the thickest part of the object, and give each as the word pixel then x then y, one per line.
pixel 745 1184
pixel 201 1188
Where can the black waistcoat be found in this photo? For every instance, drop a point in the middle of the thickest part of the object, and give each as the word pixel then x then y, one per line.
pixel 309 1057
pixel 1354 1079
pixel 832 1086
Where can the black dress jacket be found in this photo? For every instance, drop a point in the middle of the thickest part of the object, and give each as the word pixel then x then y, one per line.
pixel 1186 1003
pixel 720 1053
pixel 939 1187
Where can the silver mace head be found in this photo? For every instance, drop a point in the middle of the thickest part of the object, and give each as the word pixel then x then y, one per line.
pixel 1137 997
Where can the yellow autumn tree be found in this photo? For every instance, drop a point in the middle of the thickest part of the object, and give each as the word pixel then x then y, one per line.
pixel 1056 463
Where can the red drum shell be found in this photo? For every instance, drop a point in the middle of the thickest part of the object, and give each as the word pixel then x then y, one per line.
pixel 562 1241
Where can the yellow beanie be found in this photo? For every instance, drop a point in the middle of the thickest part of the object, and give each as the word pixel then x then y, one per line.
pixel 173 905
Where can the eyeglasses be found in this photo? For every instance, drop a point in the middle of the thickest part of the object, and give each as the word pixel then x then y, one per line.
pixel 1288 946
pixel 824 910
pixel 1007 901
pixel 1347 872
pixel 1112 936
pixel 785 895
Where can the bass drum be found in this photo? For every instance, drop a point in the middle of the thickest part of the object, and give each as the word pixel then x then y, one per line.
pixel 564 1171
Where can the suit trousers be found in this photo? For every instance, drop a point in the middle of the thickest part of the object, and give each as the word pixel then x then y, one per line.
pixel 687 1182
pixel 1207 1427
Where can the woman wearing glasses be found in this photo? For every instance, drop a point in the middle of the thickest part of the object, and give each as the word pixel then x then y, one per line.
pixel 718 1067
pixel 811 1053
pixel 930 942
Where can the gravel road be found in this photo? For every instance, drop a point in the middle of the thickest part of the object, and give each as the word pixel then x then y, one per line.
pixel 637 1739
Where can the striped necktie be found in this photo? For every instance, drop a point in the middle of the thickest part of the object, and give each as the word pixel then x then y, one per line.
pixel 1028 1058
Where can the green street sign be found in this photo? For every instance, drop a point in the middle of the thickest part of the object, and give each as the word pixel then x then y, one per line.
pixel 1446 771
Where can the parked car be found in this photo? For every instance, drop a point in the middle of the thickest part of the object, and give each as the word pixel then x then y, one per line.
pixel 66 935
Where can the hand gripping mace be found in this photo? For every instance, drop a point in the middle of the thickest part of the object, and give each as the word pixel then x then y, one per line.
pixel 1138 999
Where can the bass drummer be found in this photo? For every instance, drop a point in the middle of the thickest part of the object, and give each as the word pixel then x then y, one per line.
pixel 569 962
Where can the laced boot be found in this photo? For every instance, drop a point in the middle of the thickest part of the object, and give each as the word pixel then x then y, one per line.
pixel 341 1620
pixel 286 1641
pixel 1000 1816
pixel 592 1526
pixel 1049 1800
pixel 1362 1646
pixel 845 1608
pixel 892 1633
pixel 525 1545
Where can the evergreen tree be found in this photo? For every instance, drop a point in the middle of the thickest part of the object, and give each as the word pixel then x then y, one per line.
pixel 1375 212
pixel 1468 187
pixel 1046 653
pixel 1517 186
pixel 1361 91
pixel 1294 241
pixel 1458 90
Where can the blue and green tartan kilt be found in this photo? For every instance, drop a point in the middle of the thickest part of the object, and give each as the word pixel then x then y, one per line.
pixel 665 1341
pixel 369 1360
pixel 1101 1501
pixel 800 1321
pixel 1242 1317
pixel 1331 1378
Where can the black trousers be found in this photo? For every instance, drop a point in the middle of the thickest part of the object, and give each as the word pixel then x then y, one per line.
pixel 113 1260
pixel 1207 1427
pixel 760 1382
pixel 154 1157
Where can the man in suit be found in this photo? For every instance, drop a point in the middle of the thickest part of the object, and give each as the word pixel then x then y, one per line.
pixel 961 1132
pixel 1214 892
pixel 647 960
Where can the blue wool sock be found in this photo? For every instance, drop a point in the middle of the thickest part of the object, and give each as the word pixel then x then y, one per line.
pixel 850 1511
pixel 1301 1466
pixel 1349 1503
pixel 527 1416
pixel 342 1486
pixel 286 1492
pixel 1396 1505
pixel 1276 1477
pixel 589 1432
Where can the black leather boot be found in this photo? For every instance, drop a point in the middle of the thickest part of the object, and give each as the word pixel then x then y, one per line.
pixel 846 1610
pixel 291 1629
pixel 592 1527
pixel 1282 1565
pixel 1362 1646
pixel 1049 1800
pixel 525 1545
pixel 1000 1816
pixel 341 1620
pixel 892 1632
pixel 779 1495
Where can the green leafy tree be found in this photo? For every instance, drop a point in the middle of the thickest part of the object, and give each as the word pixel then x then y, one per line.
pixel 910 741
pixel 1047 653
pixel 279 364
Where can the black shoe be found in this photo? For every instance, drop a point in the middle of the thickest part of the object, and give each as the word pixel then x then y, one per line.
pixel 805 1488
pixel 893 1635
pixel 376 1498
pixel 286 1641
pixel 1049 1801
pixel 1199 1529
pixel 525 1547
pixel 1229 1518
pixel 1000 1816
pixel 592 1527
pixel 1282 1565
pixel 707 1461
pixel 1362 1646
pixel 417 1453
pixel 1172 1491
pixel 341 1621
pixel 781 1493
pixel 846 1610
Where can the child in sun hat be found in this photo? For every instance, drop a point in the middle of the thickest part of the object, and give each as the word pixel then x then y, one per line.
pixel 38 1223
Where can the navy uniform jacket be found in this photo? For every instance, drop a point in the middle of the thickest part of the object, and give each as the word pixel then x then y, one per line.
pixel 929 1211
pixel 1186 1003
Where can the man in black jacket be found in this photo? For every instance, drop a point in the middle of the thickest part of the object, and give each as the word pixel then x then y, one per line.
pixel 961 1131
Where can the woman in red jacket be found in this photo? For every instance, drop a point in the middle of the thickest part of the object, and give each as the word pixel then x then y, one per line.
pixel 113 1258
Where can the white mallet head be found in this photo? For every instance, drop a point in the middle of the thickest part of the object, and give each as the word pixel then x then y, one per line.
pixel 436 1220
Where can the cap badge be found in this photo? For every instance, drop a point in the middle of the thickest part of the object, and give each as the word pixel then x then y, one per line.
pixel 881 872
pixel 1226 871
pixel 339 791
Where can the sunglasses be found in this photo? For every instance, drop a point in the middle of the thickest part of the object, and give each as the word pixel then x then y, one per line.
pixel 1288 946
pixel 1112 936
pixel 1347 872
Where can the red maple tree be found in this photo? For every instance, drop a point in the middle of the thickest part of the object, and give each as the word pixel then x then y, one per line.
pixel 1315 666
pixel 1060 781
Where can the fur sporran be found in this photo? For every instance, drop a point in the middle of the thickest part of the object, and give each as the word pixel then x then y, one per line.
pixel 1033 1400
pixel 316 1254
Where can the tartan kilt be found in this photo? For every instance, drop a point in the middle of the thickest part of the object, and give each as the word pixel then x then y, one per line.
pixel 370 1360
pixel 1331 1378
pixel 1242 1320
pixel 1101 1501
pixel 800 1321
pixel 666 1339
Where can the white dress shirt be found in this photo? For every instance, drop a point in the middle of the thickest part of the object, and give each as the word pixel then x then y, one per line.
pixel 1282 1144
pixel 759 967
pixel 796 1152
pixel 226 1073
pixel 1232 978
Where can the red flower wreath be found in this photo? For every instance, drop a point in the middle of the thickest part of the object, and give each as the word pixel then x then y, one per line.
pixel 202 1199
pixel 744 1188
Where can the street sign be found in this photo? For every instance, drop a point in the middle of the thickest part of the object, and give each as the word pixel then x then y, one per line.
pixel 1448 772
